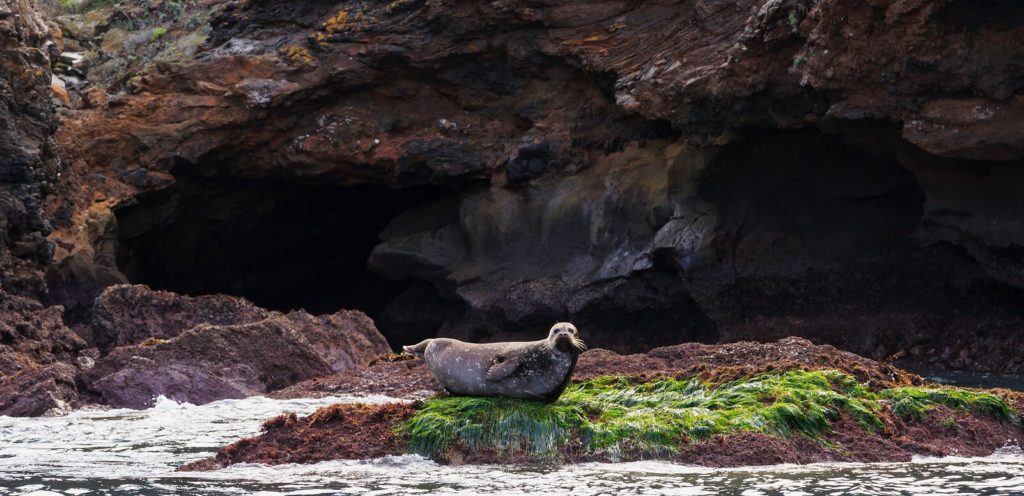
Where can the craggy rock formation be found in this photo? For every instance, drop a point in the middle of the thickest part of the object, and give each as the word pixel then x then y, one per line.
pixel 43 390
pixel 209 348
pixel 125 315
pixel 35 351
pixel 32 335
pixel 29 165
pixel 658 172
pixel 363 431
pixel 148 343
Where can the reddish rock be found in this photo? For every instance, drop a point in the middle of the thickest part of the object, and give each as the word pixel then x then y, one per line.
pixel 33 335
pixel 124 315
pixel 843 170
pixel 409 378
pixel 131 314
pixel 29 165
pixel 335 432
pixel 43 390
pixel 201 349
pixel 346 340
pixel 361 431
pixel 207 363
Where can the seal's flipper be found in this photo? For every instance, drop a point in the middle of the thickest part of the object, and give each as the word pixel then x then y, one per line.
pixel 417 349
pixel 502 368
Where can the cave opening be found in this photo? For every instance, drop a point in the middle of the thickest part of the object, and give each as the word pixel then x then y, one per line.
pixel 282 244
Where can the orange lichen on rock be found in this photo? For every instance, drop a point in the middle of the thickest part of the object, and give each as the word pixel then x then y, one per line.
pixel 297 55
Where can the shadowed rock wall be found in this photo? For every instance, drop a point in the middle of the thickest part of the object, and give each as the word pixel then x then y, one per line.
pixel 655 171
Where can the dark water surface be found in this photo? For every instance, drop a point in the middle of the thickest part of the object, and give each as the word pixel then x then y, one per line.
pixel 966 378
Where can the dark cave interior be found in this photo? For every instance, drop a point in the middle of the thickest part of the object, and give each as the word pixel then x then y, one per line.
pixel 282 244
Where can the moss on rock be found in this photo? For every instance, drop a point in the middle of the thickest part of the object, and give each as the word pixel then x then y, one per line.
pixel 615 418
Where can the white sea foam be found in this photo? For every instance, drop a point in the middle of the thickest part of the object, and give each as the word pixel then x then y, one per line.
pixel 122 452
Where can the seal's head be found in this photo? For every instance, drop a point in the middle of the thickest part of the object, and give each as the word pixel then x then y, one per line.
pixel 565 337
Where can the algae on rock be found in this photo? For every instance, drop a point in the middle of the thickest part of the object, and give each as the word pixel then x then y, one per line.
pixel 614 417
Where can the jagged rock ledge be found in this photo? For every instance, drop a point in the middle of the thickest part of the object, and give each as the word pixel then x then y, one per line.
pixel 139 344
pixel 717 405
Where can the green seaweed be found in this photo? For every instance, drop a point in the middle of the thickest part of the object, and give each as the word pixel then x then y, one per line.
pixel 912 403
pixel 611 415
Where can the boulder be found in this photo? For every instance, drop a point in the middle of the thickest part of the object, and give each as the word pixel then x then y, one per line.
pixel 128 314
pixel 202 349
pixel 47 390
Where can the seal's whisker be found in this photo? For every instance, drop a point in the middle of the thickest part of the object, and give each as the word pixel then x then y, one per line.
pixel 579 344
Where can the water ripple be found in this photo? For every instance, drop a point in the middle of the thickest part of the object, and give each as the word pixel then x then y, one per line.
pixel 132 452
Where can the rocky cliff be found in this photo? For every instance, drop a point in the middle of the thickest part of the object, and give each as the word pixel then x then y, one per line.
pixel 655 171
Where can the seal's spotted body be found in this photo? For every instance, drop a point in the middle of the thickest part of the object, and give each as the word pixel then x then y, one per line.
pixel 534 370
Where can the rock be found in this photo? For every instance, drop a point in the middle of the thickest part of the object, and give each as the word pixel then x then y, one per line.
pixel 207 348
pixel 125 314
pixel 32 335
pixel 60 92
pixel 28 160
pixel 356 431
pixel 344 340
pixel 970 129
pixel 204 364
pixel 42 391
pixel 751 172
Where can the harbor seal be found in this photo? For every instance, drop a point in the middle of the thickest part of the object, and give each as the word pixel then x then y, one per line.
pixel 532 370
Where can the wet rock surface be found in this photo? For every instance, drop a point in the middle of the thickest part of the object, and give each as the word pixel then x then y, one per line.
pixel 359 431
pixel 153 343
pixel 341 432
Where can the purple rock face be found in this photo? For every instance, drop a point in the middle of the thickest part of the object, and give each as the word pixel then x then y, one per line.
pixel 205 349
pixel 46 390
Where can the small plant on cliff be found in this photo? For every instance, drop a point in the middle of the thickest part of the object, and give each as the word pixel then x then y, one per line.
pixel 158 32
pixel 794 21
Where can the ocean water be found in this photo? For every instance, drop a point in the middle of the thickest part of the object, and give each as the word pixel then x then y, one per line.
pixel 135 452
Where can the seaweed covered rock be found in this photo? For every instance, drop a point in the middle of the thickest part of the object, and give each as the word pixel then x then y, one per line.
pixel 335 432
pixel 754 404
pixel 783 417
pixel 403 377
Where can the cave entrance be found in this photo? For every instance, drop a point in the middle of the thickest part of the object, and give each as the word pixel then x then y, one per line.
pixel 282 244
